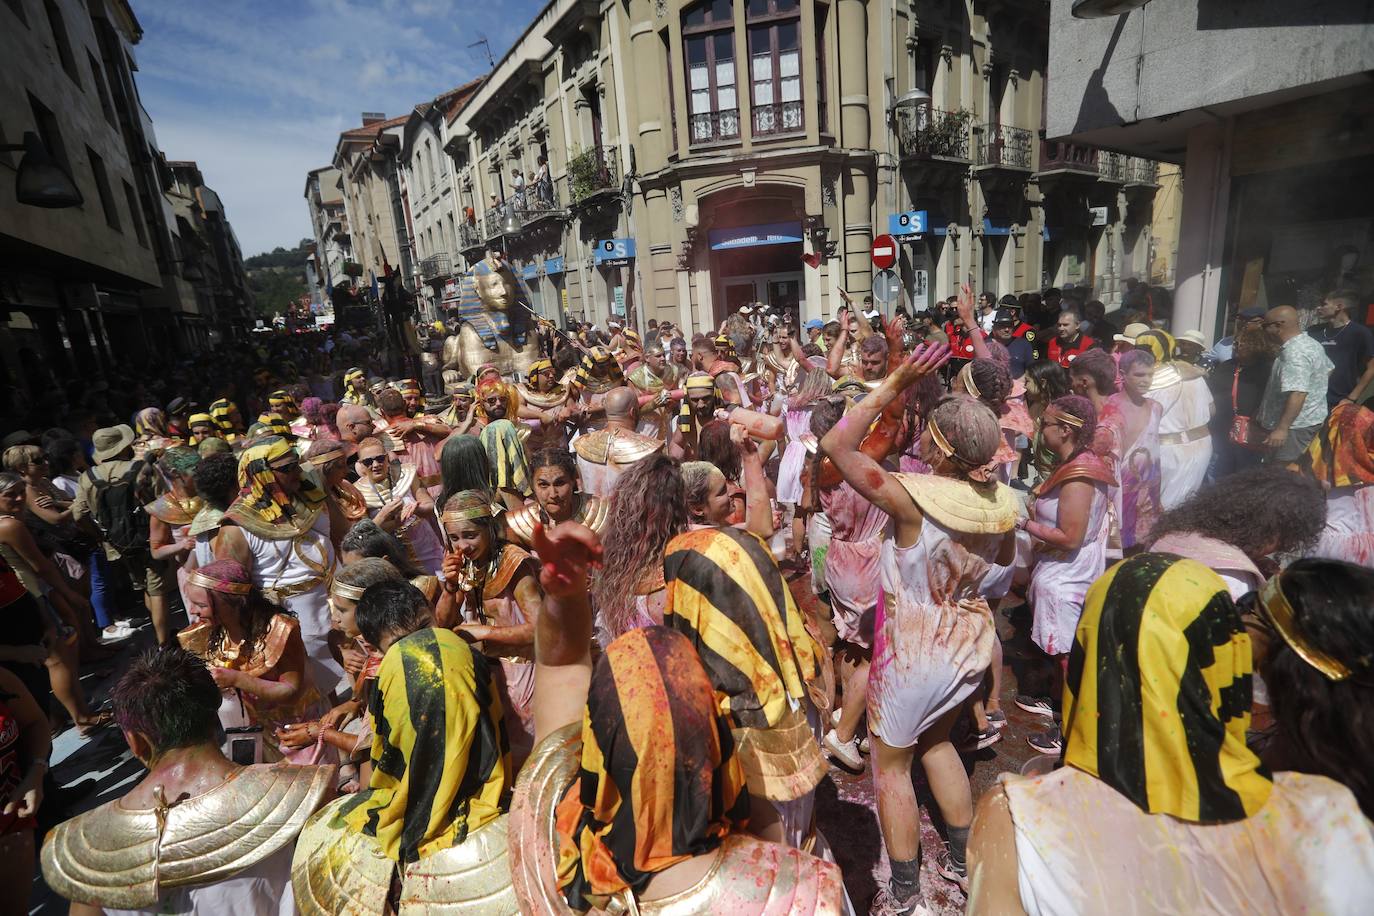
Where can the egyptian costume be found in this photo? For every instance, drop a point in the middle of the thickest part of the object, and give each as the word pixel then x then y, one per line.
pixel 653 421
pixel 590 511
pixel 605 454
pixel 649 778
pixel 227 850
pixel 433 815
pixel 1185 434
pixel 416 533
pixel 1341 458
pixel 250 724
pixel 1160 802
pixel 934 631
pixel 293 556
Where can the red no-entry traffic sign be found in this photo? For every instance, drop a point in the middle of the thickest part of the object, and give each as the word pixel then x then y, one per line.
pixel 884 252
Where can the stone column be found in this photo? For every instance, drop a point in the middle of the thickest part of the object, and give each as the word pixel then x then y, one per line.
pixel 855 134
pixel 1202 229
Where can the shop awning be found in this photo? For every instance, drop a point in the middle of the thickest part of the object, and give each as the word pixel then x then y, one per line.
pixel 753 236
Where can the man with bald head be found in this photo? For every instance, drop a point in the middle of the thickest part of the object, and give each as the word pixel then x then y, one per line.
pixel 1294 404
pixel 603 455
pixel 355 423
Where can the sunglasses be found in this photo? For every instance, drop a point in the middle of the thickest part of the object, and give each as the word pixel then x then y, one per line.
pixel 287 468
pixel 371 462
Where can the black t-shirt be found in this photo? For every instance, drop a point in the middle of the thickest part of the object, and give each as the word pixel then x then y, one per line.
pixel 1022 355
pixel 1350 349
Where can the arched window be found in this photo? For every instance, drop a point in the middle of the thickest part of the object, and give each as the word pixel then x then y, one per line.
pixel 708 37
pixel 775 66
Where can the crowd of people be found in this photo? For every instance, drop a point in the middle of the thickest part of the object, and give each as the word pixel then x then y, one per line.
pixel 535 645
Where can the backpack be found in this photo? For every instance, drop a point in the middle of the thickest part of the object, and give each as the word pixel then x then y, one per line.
pixel 118 514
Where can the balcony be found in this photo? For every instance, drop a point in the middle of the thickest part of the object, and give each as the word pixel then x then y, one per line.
pixel 1141 173
pixel 536 202
pixel 928 133
pixel 1002 147
pixel 777 118
pixel 1068 159
pixel 436 267
pixel 593 172
pixel 714 126
pixel 1111 167
pixel 495 220
pixel 469 239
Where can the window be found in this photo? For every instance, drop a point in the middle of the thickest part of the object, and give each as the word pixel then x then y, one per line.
pixel 59 37
pixel 775 66
pixel 102 184
pixel 49 133
pixel 672 92
pixel 135 214
pixel 712 100
pixel 101 89
pixel 17 6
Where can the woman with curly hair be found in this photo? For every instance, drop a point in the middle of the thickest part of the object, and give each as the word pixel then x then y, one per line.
pixel 1240 523
pixel 648 509
pixel 1067 525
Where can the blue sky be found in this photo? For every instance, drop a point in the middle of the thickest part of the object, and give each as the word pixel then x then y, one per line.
pixel 257 92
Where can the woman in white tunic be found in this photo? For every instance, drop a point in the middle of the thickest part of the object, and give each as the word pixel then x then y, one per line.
pixel 1185 438
pixel 933 638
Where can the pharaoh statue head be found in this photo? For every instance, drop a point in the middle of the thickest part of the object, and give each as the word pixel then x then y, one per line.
pixel 496 284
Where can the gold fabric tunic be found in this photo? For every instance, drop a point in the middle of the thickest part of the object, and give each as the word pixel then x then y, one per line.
pixel 127 858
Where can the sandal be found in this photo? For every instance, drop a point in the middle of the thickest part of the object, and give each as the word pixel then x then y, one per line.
pixel 94 723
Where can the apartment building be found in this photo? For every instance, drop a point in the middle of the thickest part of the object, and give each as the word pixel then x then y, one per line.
pixel 367 159
pixel 208 252
pixel 674 160
pixel 329 223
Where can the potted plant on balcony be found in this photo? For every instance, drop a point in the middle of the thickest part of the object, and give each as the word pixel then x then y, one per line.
pixel 587 173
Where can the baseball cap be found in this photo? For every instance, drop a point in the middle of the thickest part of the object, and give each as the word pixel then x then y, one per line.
pixel 815 324
pixel 1253 311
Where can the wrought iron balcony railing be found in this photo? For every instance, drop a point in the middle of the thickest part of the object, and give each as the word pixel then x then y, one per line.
pixel 437 266
pixel 593 171
pixel 714 126
pixel 1111 167
pixel 777 118
pixel 929 133
pixel 1141 171
pixel 1005 147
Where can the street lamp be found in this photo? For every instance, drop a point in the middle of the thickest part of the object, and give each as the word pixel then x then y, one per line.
pixel 913 102
pixel 1102 9
pixel 512 224
pixel 40 181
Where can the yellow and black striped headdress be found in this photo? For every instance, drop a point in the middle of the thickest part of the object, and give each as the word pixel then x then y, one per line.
pixel 265 498
pixel 282 398
pixel 1157 698
pixel 276 425
pixel 220 412
pixel 355 387
pixel 595 360
pixel 440 759
pixel 696 382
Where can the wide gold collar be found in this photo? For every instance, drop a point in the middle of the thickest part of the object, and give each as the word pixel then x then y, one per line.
pixel 337 872
pixel 960 505
pixel 119 858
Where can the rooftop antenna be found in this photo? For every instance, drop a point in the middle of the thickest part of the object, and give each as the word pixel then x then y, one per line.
pixel 486 46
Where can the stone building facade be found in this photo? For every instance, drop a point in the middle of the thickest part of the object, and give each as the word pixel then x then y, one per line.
pixel 674 160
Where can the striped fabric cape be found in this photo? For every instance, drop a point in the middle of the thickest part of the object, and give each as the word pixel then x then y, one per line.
pixel 440 759
pixel 1157 698
pixel 658 782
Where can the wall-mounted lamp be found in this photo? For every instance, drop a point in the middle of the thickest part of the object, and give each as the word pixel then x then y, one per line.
pixel 40 181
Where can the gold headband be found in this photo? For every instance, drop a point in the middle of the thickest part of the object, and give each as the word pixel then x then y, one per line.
pixel 966 376
pixel 219 585
pixel 1071 420
pixel 939 439
pixel 344 590
pixel 319 461
pixel 1280 615
pixel 699 382
pixel 468 513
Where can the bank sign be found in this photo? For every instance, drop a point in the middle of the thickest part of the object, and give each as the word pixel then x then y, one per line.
pixel 752 236
pixel 614 252
pixel 913 222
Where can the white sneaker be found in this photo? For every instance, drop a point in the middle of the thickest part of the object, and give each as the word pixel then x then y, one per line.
pixel 114 633
pixel 863 745
pixel 846 752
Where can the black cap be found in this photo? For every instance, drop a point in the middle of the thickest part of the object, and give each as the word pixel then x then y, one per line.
pixel 1005 316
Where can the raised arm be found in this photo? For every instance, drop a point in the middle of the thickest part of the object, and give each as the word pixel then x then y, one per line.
pixel 834 363
pixel 841 444
pixel 758 509
pixel 975 331
pixel 563 631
